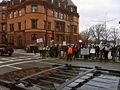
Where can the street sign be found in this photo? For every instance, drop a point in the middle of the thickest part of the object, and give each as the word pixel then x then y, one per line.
pixel 39 40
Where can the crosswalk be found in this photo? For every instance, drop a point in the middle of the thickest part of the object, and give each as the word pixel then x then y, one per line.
pixel 21 58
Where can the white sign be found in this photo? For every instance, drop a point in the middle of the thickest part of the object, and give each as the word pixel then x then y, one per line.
pixel 80 41
pixel 39 40
pixel 64 43
pixel 92 51
pixel 85 51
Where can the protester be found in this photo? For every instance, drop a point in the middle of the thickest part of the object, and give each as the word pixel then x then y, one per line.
pixel 92 52
pixel 74 51
pixel 106 51
pixel 113 52
pixel 69 53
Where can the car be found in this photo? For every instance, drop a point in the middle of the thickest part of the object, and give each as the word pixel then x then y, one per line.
pixel 31 47
pixel 4 49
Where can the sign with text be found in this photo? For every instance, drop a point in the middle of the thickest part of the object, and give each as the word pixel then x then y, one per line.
pixel 85 51
pixel 64 43
pixel 80 41
pixel 39 40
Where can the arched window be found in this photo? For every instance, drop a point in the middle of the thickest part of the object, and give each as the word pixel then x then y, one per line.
pixel 34 37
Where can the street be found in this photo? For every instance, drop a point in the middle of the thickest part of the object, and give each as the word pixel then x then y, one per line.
pixel 22 60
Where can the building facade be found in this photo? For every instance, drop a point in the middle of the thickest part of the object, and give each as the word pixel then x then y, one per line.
pixel 24 21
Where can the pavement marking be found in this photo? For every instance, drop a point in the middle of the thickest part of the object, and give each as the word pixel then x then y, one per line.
pixel 15 67
pixel 24 62
pixel 1 62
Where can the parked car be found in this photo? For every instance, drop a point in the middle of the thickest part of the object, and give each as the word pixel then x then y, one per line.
pixel 4 49
pixel 30 48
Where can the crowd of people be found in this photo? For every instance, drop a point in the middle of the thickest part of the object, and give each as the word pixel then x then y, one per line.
pixel 98 52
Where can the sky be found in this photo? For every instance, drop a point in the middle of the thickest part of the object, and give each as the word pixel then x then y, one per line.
pixel 94 12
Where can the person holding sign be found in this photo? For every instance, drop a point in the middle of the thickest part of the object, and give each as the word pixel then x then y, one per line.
pixel 92 52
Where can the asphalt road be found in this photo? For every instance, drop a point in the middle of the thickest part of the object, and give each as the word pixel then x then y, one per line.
pixel 21 60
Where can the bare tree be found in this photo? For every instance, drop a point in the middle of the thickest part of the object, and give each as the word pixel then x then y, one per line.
pixel 106 35
pixel 115 34
pixel 97 32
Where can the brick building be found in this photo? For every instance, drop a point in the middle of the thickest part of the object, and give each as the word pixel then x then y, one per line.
pixel 24 21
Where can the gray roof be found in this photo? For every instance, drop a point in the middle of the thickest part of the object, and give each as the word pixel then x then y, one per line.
pixel 70 3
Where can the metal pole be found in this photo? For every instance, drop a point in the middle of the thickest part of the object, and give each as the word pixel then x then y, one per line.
pixel 46 26
pixel 70 30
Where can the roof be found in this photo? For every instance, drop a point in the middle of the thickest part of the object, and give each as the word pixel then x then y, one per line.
pixel 70 3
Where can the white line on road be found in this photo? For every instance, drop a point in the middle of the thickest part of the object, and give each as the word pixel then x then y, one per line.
pixel 15 67
pixel 1 62
pixel 11 65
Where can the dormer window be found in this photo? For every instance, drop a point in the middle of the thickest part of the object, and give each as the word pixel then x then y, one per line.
pixel 71 9
pixel 34 8
pixel 59 4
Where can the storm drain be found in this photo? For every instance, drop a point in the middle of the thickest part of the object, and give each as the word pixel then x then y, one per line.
pixel 61 77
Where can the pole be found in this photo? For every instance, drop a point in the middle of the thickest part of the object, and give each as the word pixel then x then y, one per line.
pixel 46 27
pixel 70 30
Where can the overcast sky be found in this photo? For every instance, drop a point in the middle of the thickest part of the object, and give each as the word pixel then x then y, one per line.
pixel 97 10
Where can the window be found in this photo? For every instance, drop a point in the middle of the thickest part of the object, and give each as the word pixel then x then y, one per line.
pixel 14 14
pixel 52 13
pixel 68 28
pixel 34 8
pixel 71 9
pixel 49 1
pixel 19 13
pixel 12 40
pixel 49 25
pixel 11 27
pixel 3 7
pixel 59 4
pixel 65 6
pixel 57 37
pixel 45 24
pixel 34 37
pixel 65 17
pixel 56 14
pixel 57 26
pixel 52 1
pixel 75 29
pixel 24 10
pixel 71 18
pixel 3 27
pixel 45 11
pixel 34 24
pixel 62 38
pixel 62 16
pixel 19 26
pixel 3 15
pixel 10 15
pixel 25 23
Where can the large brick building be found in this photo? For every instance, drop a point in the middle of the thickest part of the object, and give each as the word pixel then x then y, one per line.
pixel 24 21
